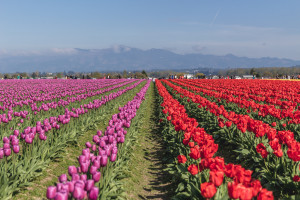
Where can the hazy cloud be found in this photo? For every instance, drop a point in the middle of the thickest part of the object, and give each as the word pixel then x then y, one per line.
pixel 199 48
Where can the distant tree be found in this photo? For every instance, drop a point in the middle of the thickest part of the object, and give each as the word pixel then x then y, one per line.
pixel 125 75
pixel 180 75
pixel 139 75
pixel 35 74
pixel 24 74
pixel 7 76
pixel 145 74
pixel 59 75
pixel 1 76
pixel 96 75
pixel 200 75
pixel 252 71
pixel 15 75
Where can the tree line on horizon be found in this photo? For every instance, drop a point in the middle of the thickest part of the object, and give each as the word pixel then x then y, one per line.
pixel 267 72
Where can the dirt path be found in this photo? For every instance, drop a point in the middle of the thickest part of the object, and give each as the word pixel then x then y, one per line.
pixel 148 180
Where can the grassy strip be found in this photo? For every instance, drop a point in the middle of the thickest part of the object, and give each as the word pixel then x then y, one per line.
pixel 146 178
pixel 49 176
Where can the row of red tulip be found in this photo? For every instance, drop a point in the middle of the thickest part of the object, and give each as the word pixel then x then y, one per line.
pixel 202 149
pixel 288 111
pixel 277 92
pixel 246 123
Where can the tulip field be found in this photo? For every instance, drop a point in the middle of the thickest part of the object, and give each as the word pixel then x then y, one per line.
pixel 234 139
pixel 223 139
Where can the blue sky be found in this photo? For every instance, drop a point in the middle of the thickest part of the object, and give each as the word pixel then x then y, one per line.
pixel 253 28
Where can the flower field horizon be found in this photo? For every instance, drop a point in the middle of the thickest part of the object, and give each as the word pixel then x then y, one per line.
pixel 221 139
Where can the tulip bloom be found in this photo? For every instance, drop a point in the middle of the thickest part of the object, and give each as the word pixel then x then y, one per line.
pixel 51 192
pixel 208 190
pixel 94 193
pixel 181 159
pixel 96 176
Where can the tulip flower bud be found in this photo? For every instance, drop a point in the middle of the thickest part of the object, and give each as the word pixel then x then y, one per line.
pixel 84 167
pixel 96 177
pixel 16 132
pixel 72 170
pixel 62 195
pixel 75 177
pixel 5 140
pixel 71 186
pixel 7 152
pixel 99 133
pixel 63 178
pixel 6 146
pixel 93 169
pixel 16 148
pixel 88 145
pixel 83 177
pixel 51 192
pixel 89 185
pixel 94 193
pixel 113 157
pixel 1 153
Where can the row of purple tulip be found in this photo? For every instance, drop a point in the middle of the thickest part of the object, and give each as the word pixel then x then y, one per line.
pixel 54 102
pixel 83 179
pixel 40 129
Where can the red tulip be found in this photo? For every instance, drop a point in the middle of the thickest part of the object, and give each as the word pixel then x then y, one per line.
pixel 208 190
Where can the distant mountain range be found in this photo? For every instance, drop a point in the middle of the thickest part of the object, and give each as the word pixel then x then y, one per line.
pixel 121 58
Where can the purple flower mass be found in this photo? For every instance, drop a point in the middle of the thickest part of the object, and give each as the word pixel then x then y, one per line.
pixel 102 150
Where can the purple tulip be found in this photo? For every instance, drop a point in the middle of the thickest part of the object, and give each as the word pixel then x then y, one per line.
pixel 71 186
pixel 83 177
pixel 89 184
pixel 103 160
pixel 94 147
pixel 51 192
pixel 15 142
pixel 96 163
pixel 59 186
pixel 16 148
pixel 82 159
pixel 7 152
pixel 102 144
pixel 96 177
pixel 16 132
pixel 79 183
pixel 28 139
pixel 63 178
pixel 6 146
pixel 99 133
pixel 65 187
pixel 94 193
pixel 61 195
pixel 72 170
pixel 1 153
pixel 75 177
pixel 113 157
pixel 5 140
pixel 78 193
pixel 122 139
pixel 84 167
pixel 88 145
pixel 93 169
